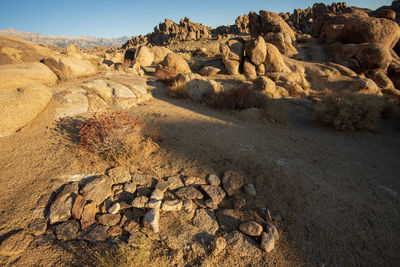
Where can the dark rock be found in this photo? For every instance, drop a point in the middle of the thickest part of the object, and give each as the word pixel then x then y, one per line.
pixel 67 230
pixel 95 233
pixel 189 192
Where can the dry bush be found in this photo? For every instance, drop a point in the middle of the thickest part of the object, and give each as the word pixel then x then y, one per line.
pixel 176 88
pixel 241 97
pixel 197 64
pixel 124 256
pixel 350 111
pixel 165 73
pixel 115 137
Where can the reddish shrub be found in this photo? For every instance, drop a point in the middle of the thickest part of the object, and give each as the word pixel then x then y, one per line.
pixel 113 136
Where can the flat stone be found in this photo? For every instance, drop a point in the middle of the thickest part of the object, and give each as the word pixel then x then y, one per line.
pixel 109 219
pixel 142 179
pixel 115 231
pixel 267 242
pixel 195 181
pixel 151 220
pixel 174 182
pixel 15 244
pixel 132 214
pixel 188 205
pixel 37 226
pixel 67 230
pixel 273 231
pixel 95 233
pixel 179 235
pixel 68 189
pixel 43 201
pixel 219 245
pixel 114 208
pixel 60 210
pixel 77 207
pixel 216 193
pixel 241 245
pixel 157 194
pixel 130 187
pixel 206 221
pixel 172 205
pixel 189 192
pixel 163 185
pixel 249 189
pixel 132 227
pixel 97 190
pixel 211 204
pixel 251 228
pixel 143 191
pixel 140 202
pixel 46 239
pixel 153 204
pixel 213 179
pixel 231 182
pixel 88 215
pixel 119 174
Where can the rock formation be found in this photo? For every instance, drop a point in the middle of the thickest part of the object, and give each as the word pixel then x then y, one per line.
pixel 170 32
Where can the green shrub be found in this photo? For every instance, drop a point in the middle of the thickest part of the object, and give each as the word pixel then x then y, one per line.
pixel 350 111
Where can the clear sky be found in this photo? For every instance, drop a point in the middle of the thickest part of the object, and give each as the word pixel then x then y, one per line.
pixel 105 18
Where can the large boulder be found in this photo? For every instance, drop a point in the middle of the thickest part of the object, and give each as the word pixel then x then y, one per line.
pixel 273 60
pixel 174 63
pixel 268 22
pixel 356 28
pixel 68 68
pixel 144 56
pixel 23 74
pixel 256 50
pixel 232 55
pixel 197 86
pixel 159 53
pixel 282 41
pixel 20 106
pixel 362 57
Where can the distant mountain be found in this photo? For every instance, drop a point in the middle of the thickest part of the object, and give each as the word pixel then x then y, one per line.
pixel 63 41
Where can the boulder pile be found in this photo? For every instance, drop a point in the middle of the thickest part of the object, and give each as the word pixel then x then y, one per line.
pixel 181 211
pixel 170 32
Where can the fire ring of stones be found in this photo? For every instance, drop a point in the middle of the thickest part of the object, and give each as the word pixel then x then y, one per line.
pixel 183 212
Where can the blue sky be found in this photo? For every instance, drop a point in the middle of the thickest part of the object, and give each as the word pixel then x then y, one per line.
pixel 104 18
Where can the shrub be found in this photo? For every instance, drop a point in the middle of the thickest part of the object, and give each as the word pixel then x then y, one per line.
pixel 350 111
pixel 237 98
pixel 165 73
pixel 115 137
pixel 176 88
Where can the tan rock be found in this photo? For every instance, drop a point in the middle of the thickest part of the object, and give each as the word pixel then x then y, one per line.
pixel 68 68
pixel 19 107
pixel 14 76
pixel 88 215
pixel 15 244
pixel 77 207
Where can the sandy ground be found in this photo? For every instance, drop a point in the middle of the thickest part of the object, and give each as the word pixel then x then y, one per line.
pixel 337 193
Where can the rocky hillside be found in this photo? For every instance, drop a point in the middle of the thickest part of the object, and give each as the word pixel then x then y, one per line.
pixel 63 41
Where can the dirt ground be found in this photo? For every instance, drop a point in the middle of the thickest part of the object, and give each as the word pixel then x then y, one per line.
pixel 337 192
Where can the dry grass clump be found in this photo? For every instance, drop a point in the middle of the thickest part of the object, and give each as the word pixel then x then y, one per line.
pixel 176 88
pixel 350 111
pixel 116 137
pixel 241 97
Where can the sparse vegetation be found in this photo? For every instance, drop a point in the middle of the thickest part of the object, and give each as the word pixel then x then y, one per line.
pixel 240 97
pixel 350 111
pixel 165 73
pixel 116 137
